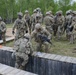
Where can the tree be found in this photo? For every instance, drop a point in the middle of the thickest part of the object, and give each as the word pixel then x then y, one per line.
pixel 64 5
pixel 9 8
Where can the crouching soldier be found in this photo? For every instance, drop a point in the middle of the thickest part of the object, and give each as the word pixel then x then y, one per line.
pixel 2 30
pixel 42 37
pixel 23 49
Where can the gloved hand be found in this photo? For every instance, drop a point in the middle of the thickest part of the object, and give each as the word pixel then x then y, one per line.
pixel 36 54
pixel 13 32
pixel 13 55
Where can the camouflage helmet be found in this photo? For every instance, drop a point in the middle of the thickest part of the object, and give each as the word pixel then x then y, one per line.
pixel 38 9
pixel 69 12
pixel 26 11
pixel 74 12
pixel 34 11
pixel 47 13
pixel 20 14
pixel 0 18
pixel 59 12
pixel 50 12
pixel 38 26
pixel 56 13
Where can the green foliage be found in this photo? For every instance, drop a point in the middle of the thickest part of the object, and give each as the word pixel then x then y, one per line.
pixel 9 8
pixel 65 5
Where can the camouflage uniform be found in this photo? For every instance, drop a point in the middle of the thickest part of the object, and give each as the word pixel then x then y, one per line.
pixel 40 31
pixel 2 30
pixel 39 16
pixel 51 15
pixel 23 48
pixel 48 21
pixel 68 21
pixel 20 27
pixel 73 32
pixel 27 18
pixel 55 26
pixel 60 24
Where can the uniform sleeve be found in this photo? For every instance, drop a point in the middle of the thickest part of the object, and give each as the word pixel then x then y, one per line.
pixel 31 48
pixel 4 27
pixel 52 20
pixel 73 22
pixel 63 19
pixel 33 34
pixel 16 45
pixel 48 34
pixel 44 20
pixel 14 25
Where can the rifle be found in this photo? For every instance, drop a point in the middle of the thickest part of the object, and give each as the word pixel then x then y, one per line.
pixel 55 19
pixel 44 39
pixel 69 27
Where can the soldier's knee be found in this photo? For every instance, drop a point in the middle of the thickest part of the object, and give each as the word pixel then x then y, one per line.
pixel 46 43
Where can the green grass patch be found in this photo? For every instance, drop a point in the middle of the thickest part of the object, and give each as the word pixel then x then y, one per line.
pixel 9 25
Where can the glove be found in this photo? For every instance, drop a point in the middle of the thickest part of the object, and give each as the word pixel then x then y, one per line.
pixel 13 55
pixel 13 32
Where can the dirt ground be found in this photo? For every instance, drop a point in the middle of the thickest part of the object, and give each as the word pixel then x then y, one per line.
pixel 9 32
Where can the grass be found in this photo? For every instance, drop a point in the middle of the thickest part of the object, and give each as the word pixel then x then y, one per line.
pixel 10 44
pixel 61 47
pixel 9 25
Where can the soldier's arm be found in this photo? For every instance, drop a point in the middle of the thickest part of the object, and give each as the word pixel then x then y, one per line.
pixel 26 26
pixel 52 20
pixel 16 46
pixel 4 27
pixel 73 22
pixel 14 25
pixel 33 34
pixel 48 34
pixel 31 48
pixel 63 19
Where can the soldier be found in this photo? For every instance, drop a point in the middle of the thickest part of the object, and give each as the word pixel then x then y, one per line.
pixel 23 48
pixel 27 18
pixel 2 30
pixel 55 26
pixel 40 31
pixel 38 10
pixel 51 15
pixel 33 17
pixel 39 16
pixel 60 23
pixel 68 21
pixel 72 28
pixel 48 21
pixel 20 27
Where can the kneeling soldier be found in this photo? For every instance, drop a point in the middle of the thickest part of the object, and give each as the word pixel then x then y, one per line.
pixel 22 49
